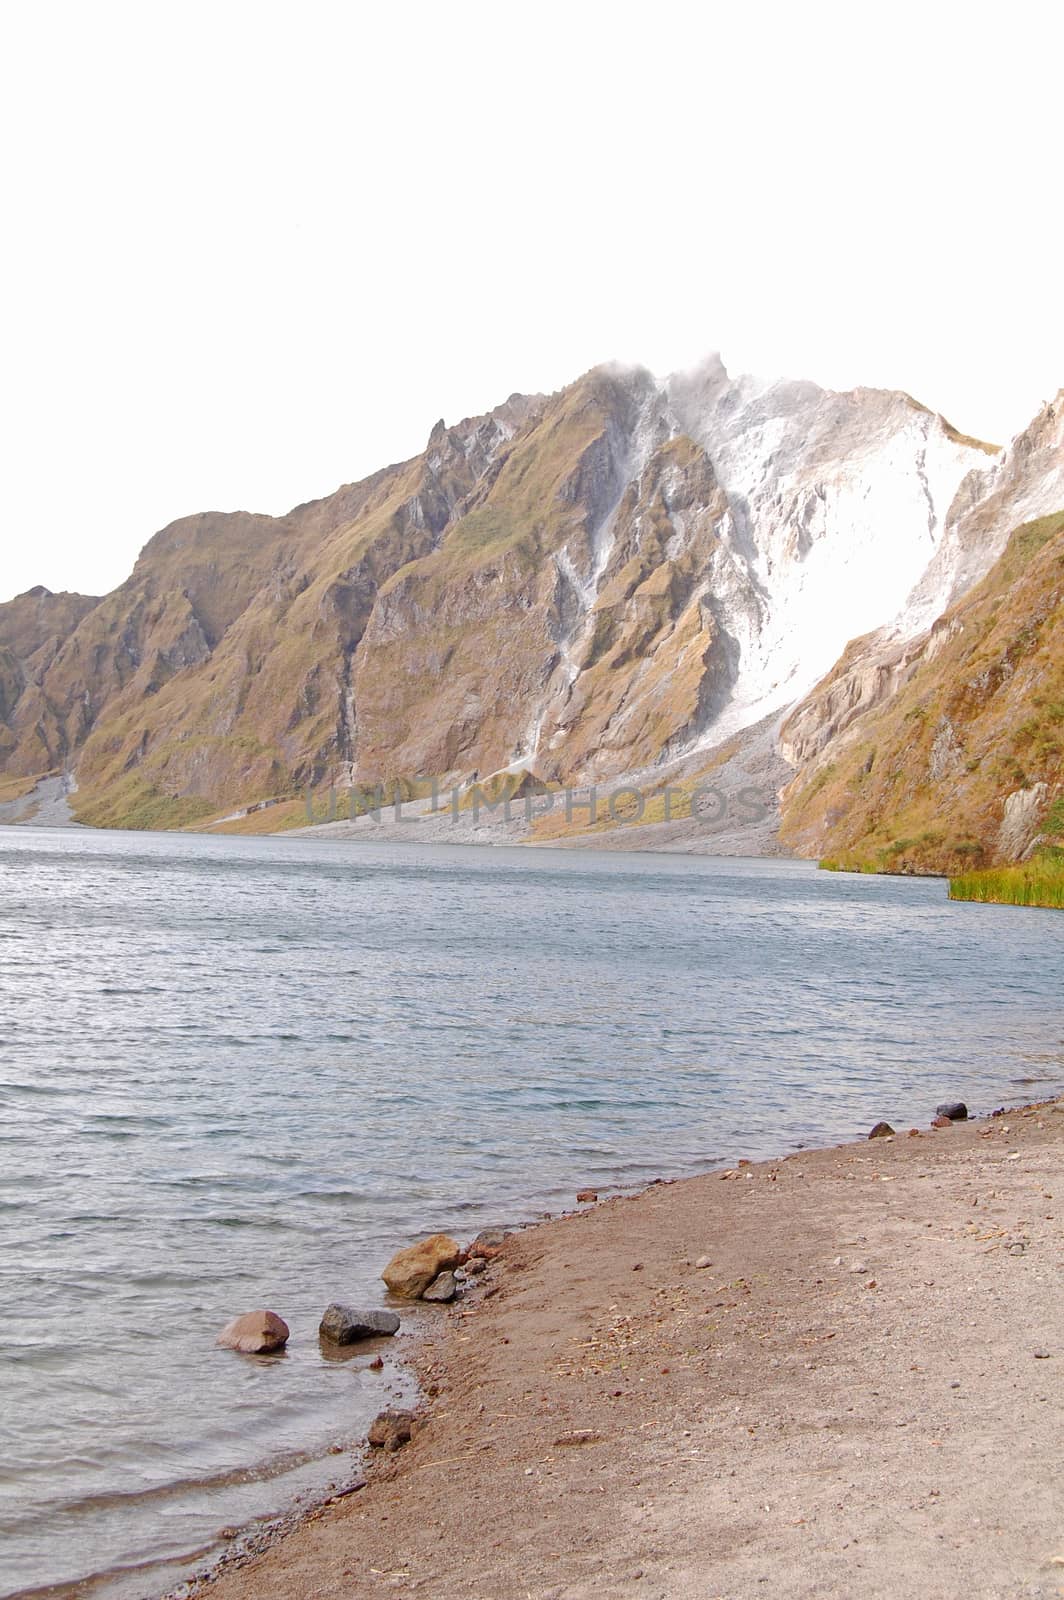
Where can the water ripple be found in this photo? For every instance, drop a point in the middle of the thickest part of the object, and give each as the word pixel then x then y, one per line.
pixel 237 1072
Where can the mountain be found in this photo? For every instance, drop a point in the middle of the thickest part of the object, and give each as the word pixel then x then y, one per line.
pixel 619 578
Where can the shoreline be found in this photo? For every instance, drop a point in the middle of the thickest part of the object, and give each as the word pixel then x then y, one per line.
pixel 606 1355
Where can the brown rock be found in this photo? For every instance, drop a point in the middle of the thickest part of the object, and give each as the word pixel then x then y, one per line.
pixel 882 1130
pixel 391 1430
pixel 411 1271
pixel 941 1122
pixel 475 1265
pixel 585 1196
pixel 256 1333
pixel 488 1242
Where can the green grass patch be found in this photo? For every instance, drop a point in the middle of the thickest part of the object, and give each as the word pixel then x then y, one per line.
pixel 137 804
pixel 1038 882
pixel 1054 823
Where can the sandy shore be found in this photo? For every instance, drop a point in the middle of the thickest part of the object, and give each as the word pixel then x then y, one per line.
pixel 863 1395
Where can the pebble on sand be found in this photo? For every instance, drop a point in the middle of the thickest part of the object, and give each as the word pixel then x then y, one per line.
pixel 391 1429
pixel 256 1333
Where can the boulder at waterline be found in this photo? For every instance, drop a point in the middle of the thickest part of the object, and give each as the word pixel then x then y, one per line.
pixel 410 1272
pixel 882 1130
pixel 443 1288
pixel 955 1110
pixel 256 1333
pixel 342 1325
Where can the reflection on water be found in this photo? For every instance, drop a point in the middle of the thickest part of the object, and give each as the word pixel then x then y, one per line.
pixel 238 1073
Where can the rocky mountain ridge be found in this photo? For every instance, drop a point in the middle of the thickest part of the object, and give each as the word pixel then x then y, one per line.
pixel 617 577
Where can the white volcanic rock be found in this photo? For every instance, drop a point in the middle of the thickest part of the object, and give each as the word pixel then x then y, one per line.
pixel 1020 484
pixel 1024 482
pixel 838 506
pixel 819 514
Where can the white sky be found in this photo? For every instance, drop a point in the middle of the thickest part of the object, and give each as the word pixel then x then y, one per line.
pixel 255 250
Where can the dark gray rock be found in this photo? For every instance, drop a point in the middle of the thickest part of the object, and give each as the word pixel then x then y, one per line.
pixel 342 1325
pixel 442 1288
pixel 882 1130
pixel 955 1110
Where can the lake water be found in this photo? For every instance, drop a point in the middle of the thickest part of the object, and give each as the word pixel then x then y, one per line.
pixel 240 1073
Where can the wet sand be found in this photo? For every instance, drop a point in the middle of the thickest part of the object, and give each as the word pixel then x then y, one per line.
pixel 862 1395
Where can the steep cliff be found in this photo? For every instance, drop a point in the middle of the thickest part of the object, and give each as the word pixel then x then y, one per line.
pixel 33 629
pixel 965 764
pixel 913 750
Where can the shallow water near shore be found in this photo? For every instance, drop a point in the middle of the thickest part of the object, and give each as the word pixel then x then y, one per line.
pixel 241 1072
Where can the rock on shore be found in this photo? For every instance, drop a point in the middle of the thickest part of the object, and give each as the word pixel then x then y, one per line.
pixel 411 1271
pixel 442 1289
pixel 341 1325
pixel 391 1429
